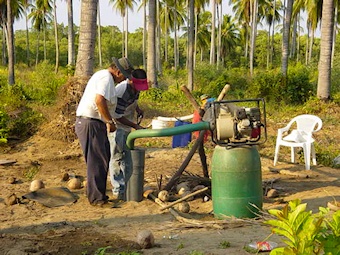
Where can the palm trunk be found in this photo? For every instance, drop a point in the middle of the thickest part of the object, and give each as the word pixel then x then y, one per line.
pixel 144 35
pixel 159 45
pixel 10 44
pixel 311 46
pixel 37 53
pixel 87 38
pixel 4 42
pixel 191 45
pixel 334 32
pixel 126 41
pixel 273 34
pixel 195 47
pixel 212 42
pixel 166 35
pixel 327 25
pixel 44 35
pixel 285 39
pixel 253 37
pixel 152 76
pixel 99 37
pixel 71 47
pixel 27 39
pixel 219 35
pixel 56 37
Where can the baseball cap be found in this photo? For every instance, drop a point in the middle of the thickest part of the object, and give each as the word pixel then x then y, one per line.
pixel 124 65
pixel 139 80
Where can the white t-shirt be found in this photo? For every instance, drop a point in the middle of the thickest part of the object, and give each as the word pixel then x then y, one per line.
pixel 101 83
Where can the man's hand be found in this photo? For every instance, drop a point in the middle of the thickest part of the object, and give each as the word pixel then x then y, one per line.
pixel 111 127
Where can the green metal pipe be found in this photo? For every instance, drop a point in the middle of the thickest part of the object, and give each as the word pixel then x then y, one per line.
pixel 141 133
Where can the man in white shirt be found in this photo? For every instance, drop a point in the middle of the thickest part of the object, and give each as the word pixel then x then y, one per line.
pixel 94 119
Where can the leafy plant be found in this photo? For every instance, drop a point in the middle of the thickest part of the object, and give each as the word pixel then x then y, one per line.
pixel 304 232
pixel 31 172
pixel 180 246
pixel 196 253
pixel 224 244
pixel 101 251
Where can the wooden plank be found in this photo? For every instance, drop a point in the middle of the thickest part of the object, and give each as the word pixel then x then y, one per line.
pixel 7 162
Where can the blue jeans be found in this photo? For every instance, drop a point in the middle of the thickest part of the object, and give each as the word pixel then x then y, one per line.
pixel 120 166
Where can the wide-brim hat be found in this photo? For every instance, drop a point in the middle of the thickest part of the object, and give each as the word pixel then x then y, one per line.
pixel 124 65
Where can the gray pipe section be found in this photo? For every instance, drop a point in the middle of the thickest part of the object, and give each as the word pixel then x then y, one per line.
pixel 142 133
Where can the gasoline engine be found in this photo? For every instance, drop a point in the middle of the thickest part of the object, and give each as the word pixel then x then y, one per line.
pixel 235 125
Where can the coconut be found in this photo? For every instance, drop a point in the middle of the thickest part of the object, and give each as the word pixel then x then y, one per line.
pixel 184 207
pixel 163 195
pixel 65 177
pixel 36 185
pixel 183 186
pixel 11 200
pixel 74 183
pixel 145 239
pixel 12 180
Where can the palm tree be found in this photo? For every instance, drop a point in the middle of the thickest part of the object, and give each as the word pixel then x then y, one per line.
pixel 26 5
pixel 10 44
pixel 242 10
pixel 199 7
pixel 99 37
pixel 327 25
pixel 171 18
pixel 71 46
pixel 203 33
pixel 87 38
pixel 56 36
pixel 151 59
pixel 269 11
pixel 285 39
pixel 143 5
pixel 191 38
pixel 122 6
pixel 45 7
pixel 230 37
pixel 254 12
pixel 213 32
pixel 9 10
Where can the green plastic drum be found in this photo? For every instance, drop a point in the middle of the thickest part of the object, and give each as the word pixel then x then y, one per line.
pixel 236 182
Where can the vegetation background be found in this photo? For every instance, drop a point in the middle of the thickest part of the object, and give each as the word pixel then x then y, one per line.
pixel 43 64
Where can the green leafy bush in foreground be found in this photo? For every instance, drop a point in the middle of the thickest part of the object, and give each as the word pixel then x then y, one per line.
pixel 306 233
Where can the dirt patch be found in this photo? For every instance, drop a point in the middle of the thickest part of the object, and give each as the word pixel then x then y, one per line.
pixel 31 228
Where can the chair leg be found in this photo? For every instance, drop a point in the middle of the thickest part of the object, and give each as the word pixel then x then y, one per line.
pixel 292 154
pixel 307 152
pixel 313 154
pixel 276 155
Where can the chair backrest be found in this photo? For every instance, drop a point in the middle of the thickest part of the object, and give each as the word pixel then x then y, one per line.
pixel 307 123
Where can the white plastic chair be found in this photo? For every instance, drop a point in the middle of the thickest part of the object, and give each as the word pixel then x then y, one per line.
pixel 302 136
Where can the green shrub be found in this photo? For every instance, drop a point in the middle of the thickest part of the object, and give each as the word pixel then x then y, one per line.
pixel 4 118
pixel 304 232
pixel 41 84
pixel 266 84
pixel 299 88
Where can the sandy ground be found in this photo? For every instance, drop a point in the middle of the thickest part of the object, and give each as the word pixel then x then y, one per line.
pixel 29 227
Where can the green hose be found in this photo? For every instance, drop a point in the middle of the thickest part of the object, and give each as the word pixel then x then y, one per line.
pixel 141 133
